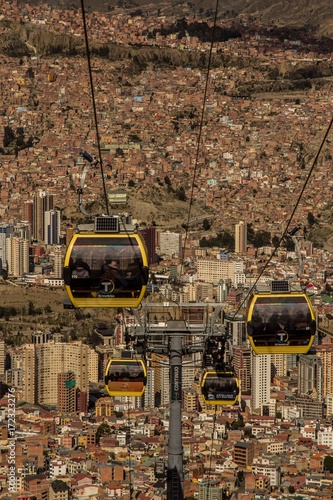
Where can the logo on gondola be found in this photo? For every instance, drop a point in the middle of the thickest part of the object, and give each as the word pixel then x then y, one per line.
pixel 106 287
pixel 124 387
pixel 282 338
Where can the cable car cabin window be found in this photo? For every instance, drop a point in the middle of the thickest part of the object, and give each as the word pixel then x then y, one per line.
pixel 220 388
pixel 125 378
pixel 107 267
pixel 281 324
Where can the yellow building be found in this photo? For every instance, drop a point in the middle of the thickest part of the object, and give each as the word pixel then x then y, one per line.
pixel 104 407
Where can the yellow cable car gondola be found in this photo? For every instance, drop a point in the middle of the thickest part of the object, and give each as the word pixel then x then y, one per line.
pixel 280 321
pixel 106 268
pixel 219 387
pixel 125 377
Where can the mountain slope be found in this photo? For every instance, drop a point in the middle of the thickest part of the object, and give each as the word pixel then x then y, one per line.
pixel 299 13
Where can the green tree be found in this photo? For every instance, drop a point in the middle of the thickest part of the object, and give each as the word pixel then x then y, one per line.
pixel 206 224
pixel 250 233
pixel 31 308
pixel 167 180
pixel 275 241
pixel 12 311
pixel 261 239
pixel 103 429
pixel 237 424
pixel 9 136
pixel 311 219
pixel 180 193
pixel 328 463
pixel 223 240
pixel 134 138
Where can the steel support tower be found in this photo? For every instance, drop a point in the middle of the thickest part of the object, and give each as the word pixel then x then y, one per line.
pixel 175 330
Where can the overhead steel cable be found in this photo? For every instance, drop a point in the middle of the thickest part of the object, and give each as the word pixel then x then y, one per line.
pixel 199 137
pixel 94 105
pixel 314 163
pixel 100 161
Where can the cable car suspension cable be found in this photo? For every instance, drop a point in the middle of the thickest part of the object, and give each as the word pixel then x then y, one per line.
pixel 285 232
pixel 199 137
pixel 94 104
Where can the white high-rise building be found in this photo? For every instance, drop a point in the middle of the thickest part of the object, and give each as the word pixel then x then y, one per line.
pixel 279 365
pixel 160 365
pixel 17 254
pixel 325 437
pixel 215 270
pixel 58 264
pixel 3 258
pixel 261 379
pixel 329 403
pixel 189 369
pixel 236 328
pixel 170 244
pixel 43 362
pixel 42 202
pixel 241 237
pixel 310 376
pixel 149 394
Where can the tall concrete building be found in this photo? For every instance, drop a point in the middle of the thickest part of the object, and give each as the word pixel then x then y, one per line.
pixel 236 328
pixel 329 403
pixel 6 229
pixel 58 264
pixel 29 374
pixel 242 359
pixel 222 291
pixel 241 237
pixel 3 255
pixel 66 392
pixel 17 254
pixel 261 379
pixel 149 394
pixel 52 227
pixel 45 361
pixel 160 364
pixel 42 202
pixel 190 400
pixel 310 376
pixel 41 336
pixel 149 237
pixel 27 212
pixel 215 270
pixel 170 243
pixel 189 368
pixel 104 353
pixel 279 365
pixel 22 230
pixel 325 352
